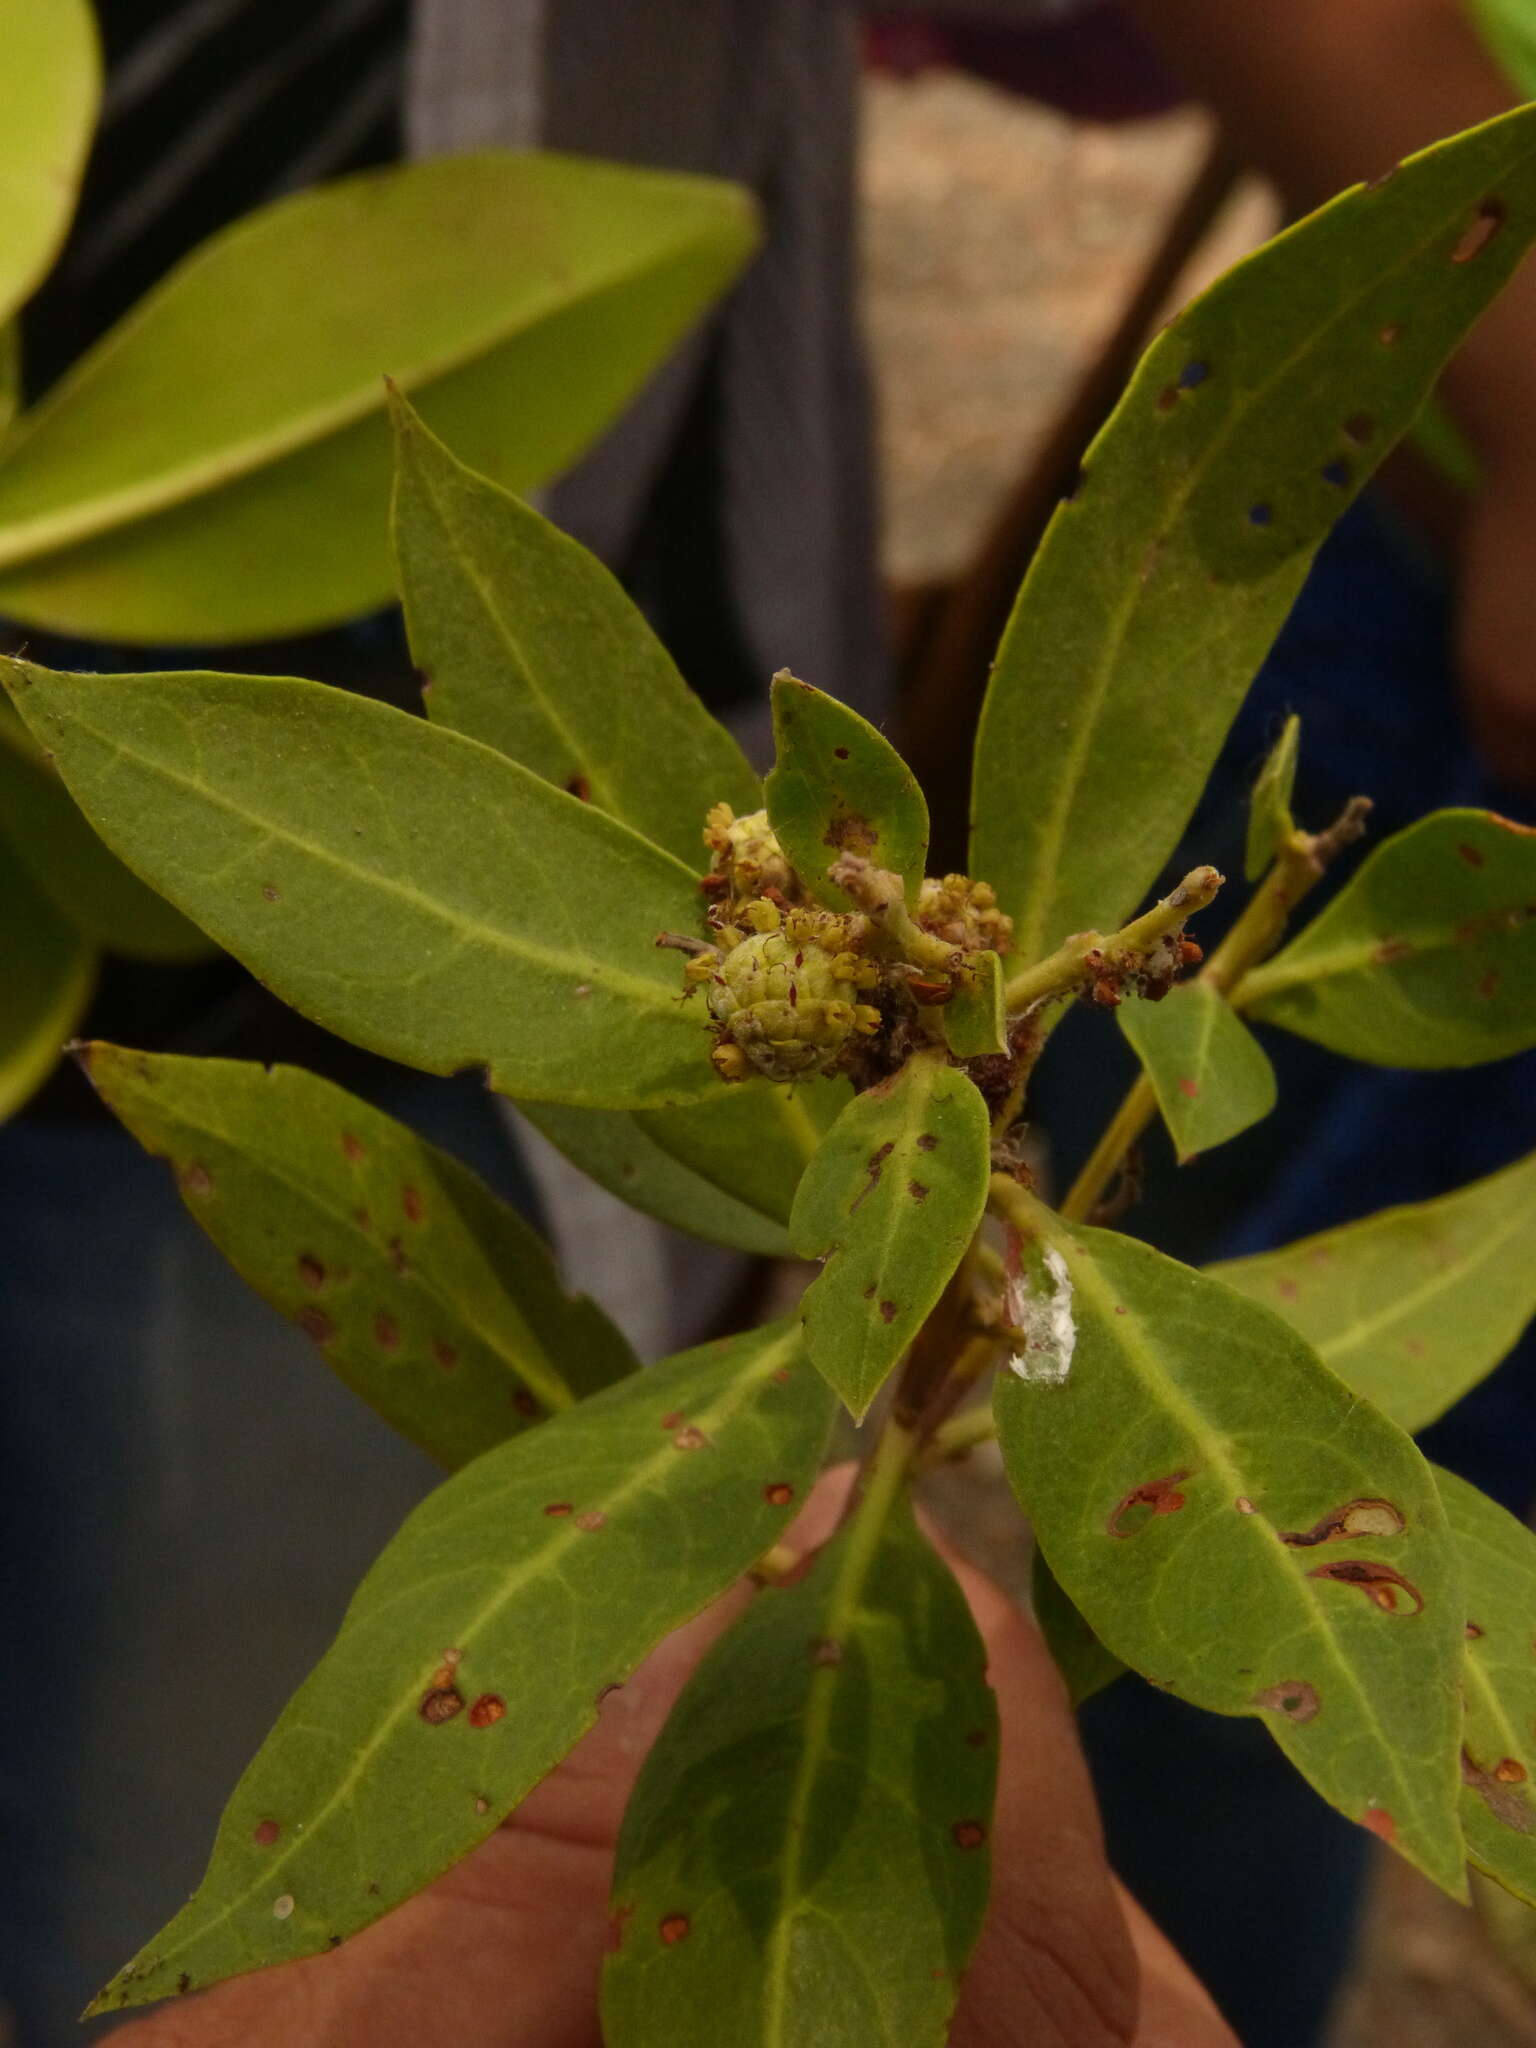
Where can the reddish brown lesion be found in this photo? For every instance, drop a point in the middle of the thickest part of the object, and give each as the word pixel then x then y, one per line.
pixel 1356 1518
pixel 1378 1582
pixel 1162 1496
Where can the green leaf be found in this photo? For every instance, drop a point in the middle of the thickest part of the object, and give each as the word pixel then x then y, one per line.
pixel 217 468
pixel 1252 422
pixel 839 787
pixel 532 1581
pixel 1426 958
pixel 50 971
pixel 1412 1306
pixel 724 1169
pixel 532 646
pixel 1269 808
pixel 1496 1556
pixel 67 861
pixel 1511 35
pixel 1234 1524
pixel 1211 1076
pixel 1085 1665
pixel 429 1297
pixel 10 372
pixel 975 1018
pixel 890 1201
pixel 805 1857
pixel 50 87
pixel 404 886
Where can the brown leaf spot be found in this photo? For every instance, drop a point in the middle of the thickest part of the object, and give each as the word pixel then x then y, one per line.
pixel 1380 1823
pixel 1472 855
pixel 445 1355
pixel 926 1142
pixel 869 1292
pixel 1490 218
pixel 1488 984
pixel 976 1739
pixel 184 1982
pixel 1360 428
pixel 1415 1346
pixel 559 1507
pixel 887 1311
pixel 1243 1504
pixel 1168 398
pixel 851 832
pixel 196 1180
pixel 397 1256
pixel 525 1404
pixel 968 1834
pixel 386 1331
pixel 270 892
pixel 673 1929
pixel 311 1272
pixel 482 1804
pixel 874 1169
pixel 841 753
pixel 1472 1632
pixel 354 1148
pixel 1292 1697
pixel 618 1927
pixel 1188 1088
pixel 1287 1290
pixel 579 786
pixel 607 1693
pixel 415 1208
pixel 1508 1806
pixel 779 1494
pixel 362 1219
pixel 265 1833
pixel 1378 1582
pixel 1510 1771
pixel 826 1650
pixel 487 1710
pixel 690 1439
pixel 1389 950
pixel 1160 1495
pixel 333 1941
pixel 591 1519
pixel 917 1191
pixel 1355 1518
pixel 674 1420
pixel 440 1703
pixel 316 1325
pixel 781 1377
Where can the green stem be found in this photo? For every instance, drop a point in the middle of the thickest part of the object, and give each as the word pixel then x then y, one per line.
pixel 962 1433
pixel 1136 1111
pixel 1064 970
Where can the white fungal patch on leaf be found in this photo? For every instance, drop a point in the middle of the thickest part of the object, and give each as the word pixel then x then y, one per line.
pixel 1039 1306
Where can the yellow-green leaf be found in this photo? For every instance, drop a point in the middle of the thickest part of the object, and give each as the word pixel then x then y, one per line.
pixel 473 1655
pixel 50 84
pixel 1254 419
pixel 890 1202
pixel 528 643
pixel 47 972
pixel 1234 1524
pixel 804 1858
pixel 1496 1556
pixel 839 787
pixel 1412 1306
pixel 1211 1076
pixel 217 468
pixel 1269 808
pixel 406 887
pixel 975 1018
pixel 725 1169
pixel 432 1299
pixel 1427 956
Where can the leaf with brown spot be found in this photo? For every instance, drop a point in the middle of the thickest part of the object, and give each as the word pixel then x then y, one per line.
pixel 1211 1076
pixel 819 1822
pixel 880 1245
pixel 1414 1305
pixel 1213 1398
pixel 838 786
pixel 442 1345
pixel 1458 891
pixel 543 1616
pixel 1496 1555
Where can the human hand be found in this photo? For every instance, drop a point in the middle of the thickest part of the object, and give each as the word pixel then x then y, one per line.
pixel 505 1949
pixel 1496 619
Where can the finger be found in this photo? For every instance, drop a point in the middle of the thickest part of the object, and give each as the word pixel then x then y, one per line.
pixel 1496 627
pixel 1176 2008
pixel 1055 1966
